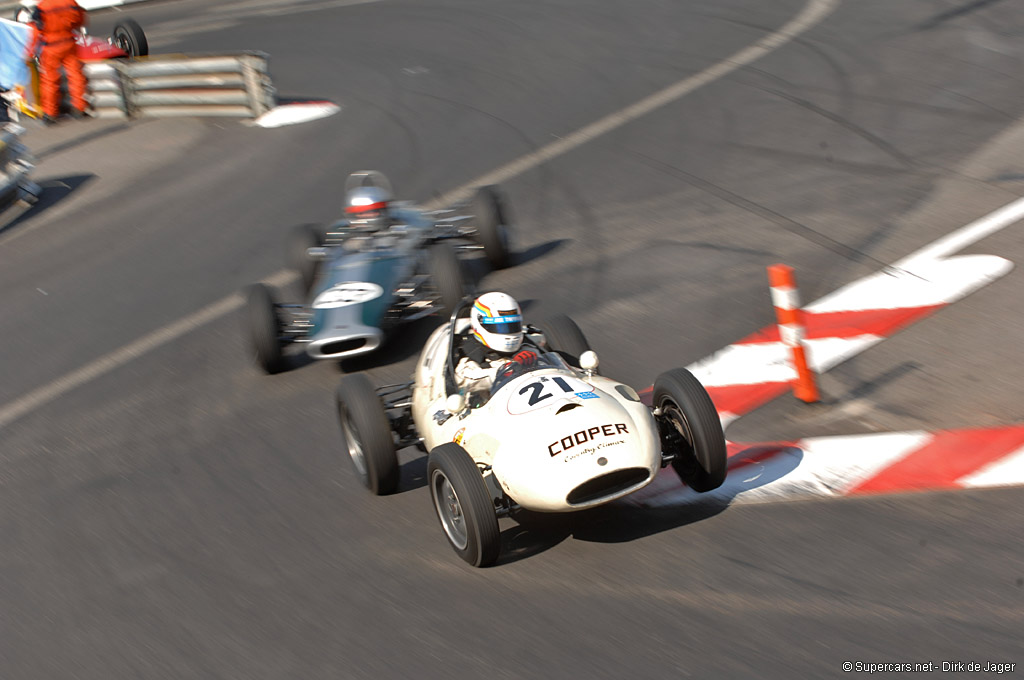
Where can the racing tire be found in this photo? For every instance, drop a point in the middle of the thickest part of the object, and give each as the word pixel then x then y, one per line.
pixel 690 423
pixel 491 227
pixel 367 434
pixel 565 337
pixel 463 505
pixel 301 238
pixel 130 37
pixel 264 326
pixel 446 272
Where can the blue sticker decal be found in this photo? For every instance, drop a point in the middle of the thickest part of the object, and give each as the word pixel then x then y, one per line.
pixel 512 318
pixel 587 395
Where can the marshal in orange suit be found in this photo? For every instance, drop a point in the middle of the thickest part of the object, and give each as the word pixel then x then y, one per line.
pixel 55 22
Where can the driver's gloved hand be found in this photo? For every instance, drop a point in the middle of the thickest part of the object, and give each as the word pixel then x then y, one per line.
pixel 525 358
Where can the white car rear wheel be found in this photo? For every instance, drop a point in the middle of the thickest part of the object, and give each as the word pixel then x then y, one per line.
pixel 565 337
pixel 367 434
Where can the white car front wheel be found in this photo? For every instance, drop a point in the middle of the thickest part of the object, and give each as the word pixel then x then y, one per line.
pixel 690 429
pixel 463 505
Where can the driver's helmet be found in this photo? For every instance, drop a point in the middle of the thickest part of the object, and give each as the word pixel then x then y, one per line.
pixel 497 322
pixel 367 208
pixel 368 196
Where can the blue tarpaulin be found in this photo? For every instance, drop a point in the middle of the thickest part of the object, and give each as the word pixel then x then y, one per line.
pixel 14 39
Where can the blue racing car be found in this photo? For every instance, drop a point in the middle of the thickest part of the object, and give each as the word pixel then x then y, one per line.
pixel 384 264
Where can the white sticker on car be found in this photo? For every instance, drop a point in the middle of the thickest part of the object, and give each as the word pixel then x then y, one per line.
pixel 546 390
pixel 347 293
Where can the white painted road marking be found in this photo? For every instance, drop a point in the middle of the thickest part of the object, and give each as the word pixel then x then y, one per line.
pixel 965 236
pixel 857 316
pixel 119 357
pixel 292 114
pixel 813 12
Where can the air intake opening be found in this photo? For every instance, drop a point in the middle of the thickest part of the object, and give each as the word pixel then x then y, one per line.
pixel 606 485
pixel 567 407
pixel 340 346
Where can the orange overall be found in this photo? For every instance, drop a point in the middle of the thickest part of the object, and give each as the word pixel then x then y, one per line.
pixel 55 23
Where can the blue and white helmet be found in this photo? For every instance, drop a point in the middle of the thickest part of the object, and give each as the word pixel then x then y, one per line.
pixel 497 322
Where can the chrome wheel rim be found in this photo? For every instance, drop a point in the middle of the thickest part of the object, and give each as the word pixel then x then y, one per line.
pixel 674 415
pixel 355 449
pixel 449 510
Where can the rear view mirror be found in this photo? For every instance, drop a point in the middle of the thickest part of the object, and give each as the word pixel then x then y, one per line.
pixel 455 403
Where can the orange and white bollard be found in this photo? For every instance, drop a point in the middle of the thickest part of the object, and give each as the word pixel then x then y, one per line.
pixel 786 300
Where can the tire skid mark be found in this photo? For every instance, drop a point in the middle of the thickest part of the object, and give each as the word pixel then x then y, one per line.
pixel 812 14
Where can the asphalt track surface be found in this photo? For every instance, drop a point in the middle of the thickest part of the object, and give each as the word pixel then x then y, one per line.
pixel 182 516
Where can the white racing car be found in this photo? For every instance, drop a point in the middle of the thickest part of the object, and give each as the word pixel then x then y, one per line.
pixel 551 436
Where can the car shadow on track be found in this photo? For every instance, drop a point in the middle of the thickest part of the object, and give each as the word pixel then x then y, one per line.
pixel 647 513
pixel 413 473
pixel 607 524
pixel 402 343
pixel 538 251
pixel 89 135
pixel 53 192
pixel 476 268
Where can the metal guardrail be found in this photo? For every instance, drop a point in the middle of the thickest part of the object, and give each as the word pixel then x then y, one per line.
pixel 7 9
pixel 236 85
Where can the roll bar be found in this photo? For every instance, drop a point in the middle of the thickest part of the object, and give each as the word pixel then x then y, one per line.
pixel 450 386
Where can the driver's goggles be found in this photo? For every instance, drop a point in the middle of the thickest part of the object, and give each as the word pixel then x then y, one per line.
pixel 502 325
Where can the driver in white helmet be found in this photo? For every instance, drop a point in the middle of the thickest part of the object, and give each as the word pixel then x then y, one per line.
pixel 495 338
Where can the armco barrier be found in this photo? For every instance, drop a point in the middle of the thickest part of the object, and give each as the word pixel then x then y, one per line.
pixel 7 9
pixel 235 85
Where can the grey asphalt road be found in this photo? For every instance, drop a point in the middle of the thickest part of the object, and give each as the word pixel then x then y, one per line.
pixel 182 516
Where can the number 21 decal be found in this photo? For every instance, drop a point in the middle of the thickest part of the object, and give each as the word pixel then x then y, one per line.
pixel 538 393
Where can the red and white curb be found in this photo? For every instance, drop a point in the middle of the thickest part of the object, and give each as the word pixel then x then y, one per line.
pixel 295 113
pixel 753 371
pixel 857 465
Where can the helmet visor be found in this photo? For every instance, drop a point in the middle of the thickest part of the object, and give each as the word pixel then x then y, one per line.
pixel 503 325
